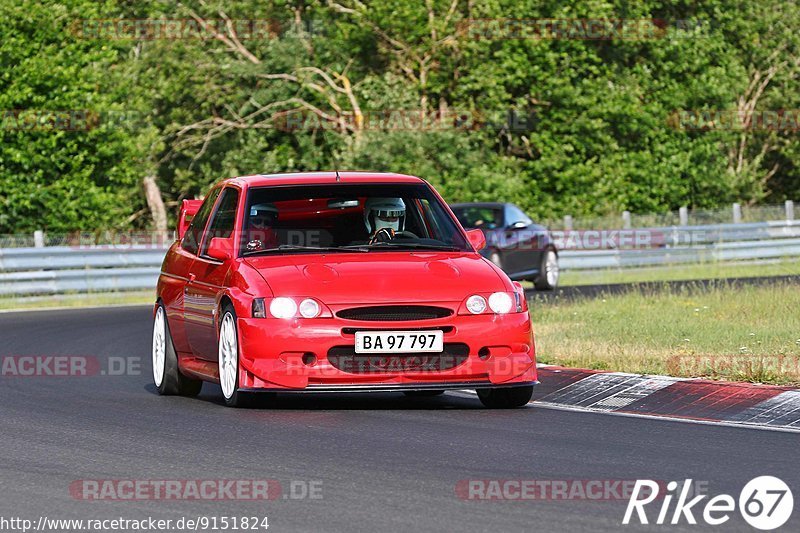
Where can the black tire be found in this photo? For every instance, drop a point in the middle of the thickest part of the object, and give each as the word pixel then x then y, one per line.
pixel 541 282
pixel 506 398
pixel 174 382
pixel 423 393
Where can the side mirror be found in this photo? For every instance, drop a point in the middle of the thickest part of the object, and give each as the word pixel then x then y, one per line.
pixel 477 239
pixel 517 225
pixel 220 249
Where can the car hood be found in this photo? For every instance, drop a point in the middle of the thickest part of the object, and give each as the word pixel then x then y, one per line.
pixel 379 277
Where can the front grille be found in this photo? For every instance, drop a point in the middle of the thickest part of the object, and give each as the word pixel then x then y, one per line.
pixel 394 313
pixel 345 359
pixel 353 330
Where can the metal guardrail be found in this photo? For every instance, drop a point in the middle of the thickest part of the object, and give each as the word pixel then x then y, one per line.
pixel 676 236
pixel 62 269
pixel 78 281
pixel 721 233
pixel 66 257
pixel 719 252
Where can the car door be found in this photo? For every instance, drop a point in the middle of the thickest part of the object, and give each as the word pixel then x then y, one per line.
pixel 205 289
pixel 190 248
pixel 181 260
pixel 174 277
pixel 519 254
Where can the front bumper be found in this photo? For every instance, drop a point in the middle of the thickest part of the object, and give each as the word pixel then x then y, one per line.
pixel 399 388
pixel 275 354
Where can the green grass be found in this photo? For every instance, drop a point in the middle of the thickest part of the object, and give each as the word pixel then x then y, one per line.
pixel 77 300
pixel 681 272
pixel 743 334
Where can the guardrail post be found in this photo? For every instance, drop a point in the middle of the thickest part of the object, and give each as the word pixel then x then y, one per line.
pixel 683 214
pixel 626 219
pixel 789 210
pixel 737 213
pixel 568 222
pixel 38 239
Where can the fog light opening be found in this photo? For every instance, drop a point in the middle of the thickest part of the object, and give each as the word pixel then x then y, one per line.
pixel 484 353
pixel 309 359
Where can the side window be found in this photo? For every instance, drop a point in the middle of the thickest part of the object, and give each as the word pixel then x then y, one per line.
pixel 224 219
pixel 480 217
pixel 515 215
pixel 191 240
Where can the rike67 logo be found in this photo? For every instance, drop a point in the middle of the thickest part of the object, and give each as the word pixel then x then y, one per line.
pixel 766 503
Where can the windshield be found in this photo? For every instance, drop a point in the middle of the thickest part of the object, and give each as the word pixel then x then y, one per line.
pixel 347 218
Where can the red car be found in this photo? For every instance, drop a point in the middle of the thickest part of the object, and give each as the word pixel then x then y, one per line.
pixel 327 281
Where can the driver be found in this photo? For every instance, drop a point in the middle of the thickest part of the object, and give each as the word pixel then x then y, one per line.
pixel 384 217
pixel 262 236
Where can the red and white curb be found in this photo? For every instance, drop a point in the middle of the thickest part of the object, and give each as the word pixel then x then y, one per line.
pixel 688 400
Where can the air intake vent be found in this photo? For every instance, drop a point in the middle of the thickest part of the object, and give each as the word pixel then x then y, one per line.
pixel 394 313
pixel 345 359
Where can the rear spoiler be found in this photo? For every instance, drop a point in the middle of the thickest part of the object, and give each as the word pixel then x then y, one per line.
pixel 189 209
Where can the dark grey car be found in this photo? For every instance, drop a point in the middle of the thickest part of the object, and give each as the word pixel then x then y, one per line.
pixel 523 249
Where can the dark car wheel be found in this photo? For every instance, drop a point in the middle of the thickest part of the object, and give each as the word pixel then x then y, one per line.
pixel 495 258
pixel 167 377
pixel 547 280
pixel 506 398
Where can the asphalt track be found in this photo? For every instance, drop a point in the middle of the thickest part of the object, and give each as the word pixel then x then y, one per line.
pixel 385 462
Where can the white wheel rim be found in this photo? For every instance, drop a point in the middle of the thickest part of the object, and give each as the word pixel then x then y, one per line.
pixel 228 356
pixel 551 269
pixel 159 347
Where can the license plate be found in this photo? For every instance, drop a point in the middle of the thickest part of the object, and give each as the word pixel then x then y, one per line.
pixel 399 341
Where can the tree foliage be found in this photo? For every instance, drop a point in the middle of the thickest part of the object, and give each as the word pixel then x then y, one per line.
pixel 565 125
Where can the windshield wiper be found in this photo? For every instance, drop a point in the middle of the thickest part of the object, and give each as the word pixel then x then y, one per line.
pixel 297 248
pixel 415 246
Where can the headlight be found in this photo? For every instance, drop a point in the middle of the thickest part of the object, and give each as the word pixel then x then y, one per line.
pixel 476 304
pixel 500 303
pixel 309 308
pixel 283 308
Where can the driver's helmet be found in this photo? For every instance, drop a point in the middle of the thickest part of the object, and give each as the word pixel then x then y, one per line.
pixel 263 215
pixel 382 213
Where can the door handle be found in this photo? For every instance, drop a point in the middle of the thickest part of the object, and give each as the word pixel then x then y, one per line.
pixel 186 287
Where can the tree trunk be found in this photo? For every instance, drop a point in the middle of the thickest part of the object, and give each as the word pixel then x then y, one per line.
pixel 156 205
